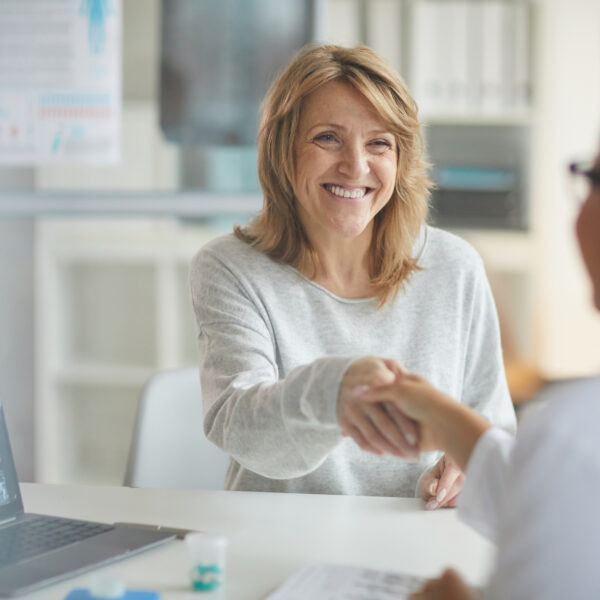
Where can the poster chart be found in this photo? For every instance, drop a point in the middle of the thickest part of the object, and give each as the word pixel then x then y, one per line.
pixel 60 81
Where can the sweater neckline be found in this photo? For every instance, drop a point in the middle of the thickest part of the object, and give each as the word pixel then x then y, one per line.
pixel 419 246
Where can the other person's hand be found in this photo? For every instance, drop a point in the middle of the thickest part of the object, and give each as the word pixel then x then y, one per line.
pixel 415 399
pixel 450 586
pixel 441 422
pixel 440 486
pixel 376 427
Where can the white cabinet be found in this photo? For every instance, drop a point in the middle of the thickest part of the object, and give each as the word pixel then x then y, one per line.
pixel 567 123
pixel 113 307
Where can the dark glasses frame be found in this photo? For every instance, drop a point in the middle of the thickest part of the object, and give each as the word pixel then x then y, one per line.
pixel 583 168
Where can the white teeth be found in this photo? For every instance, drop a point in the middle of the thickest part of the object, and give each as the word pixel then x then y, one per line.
pixel 340 191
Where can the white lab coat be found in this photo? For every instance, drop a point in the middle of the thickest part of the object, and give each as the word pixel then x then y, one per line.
pixel 538 497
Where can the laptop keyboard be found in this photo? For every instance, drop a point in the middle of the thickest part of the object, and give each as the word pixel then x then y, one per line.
pixel 37 535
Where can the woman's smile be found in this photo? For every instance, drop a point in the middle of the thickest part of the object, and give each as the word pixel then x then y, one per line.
pixel 347 193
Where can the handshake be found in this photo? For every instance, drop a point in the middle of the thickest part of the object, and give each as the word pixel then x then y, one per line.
pixel 387 410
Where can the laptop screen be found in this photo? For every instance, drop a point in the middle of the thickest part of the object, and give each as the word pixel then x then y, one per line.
pixel 11 504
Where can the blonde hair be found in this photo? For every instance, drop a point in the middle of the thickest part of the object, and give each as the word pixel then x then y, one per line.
pixel 277 230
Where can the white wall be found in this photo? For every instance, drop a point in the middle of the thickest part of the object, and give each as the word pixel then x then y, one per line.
pixel 141 19
pixel 16 327
pixel 568 128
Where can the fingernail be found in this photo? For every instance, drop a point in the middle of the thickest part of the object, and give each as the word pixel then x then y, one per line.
pixel 432 487
pixel 431 504
pixel 359 390
pixel 411 439
pixel 440 497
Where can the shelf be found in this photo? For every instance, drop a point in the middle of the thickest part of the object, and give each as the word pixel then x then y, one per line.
pixel 500 119
pixel 99 375
pixel 122 204
pixel 188 344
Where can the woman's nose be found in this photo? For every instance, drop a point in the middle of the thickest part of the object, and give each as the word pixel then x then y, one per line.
pixel 354 162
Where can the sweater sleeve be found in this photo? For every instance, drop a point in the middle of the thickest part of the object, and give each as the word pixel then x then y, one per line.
pixel 485 388
pixel 276 427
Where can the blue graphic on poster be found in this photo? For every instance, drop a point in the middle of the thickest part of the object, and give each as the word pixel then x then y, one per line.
pixel 60 102
pixel 96 12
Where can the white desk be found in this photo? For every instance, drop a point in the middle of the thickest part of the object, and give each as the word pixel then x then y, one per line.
pixel 270 535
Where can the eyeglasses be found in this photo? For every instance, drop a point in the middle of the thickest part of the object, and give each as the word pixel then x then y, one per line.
pixel 584 174
pixel 588 169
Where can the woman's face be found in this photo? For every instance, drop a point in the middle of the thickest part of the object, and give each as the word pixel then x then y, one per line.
pixel 345 162
pixel 588 236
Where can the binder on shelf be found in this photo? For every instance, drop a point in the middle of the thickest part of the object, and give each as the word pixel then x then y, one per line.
pixel 425 72
pixel 520 66
pixel 484 179
pixel 342 22
pixel 384 22
pixel 455 16
pixel 470 56
pixel 474 54
pixel 493 52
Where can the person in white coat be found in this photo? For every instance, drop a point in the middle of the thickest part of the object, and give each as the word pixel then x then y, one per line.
pixel 535 495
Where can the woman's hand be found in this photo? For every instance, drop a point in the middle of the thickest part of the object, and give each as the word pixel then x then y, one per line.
pixel 416 400
pixel 450 586
pixel 441 422
pixel 440 486
pixel 377 427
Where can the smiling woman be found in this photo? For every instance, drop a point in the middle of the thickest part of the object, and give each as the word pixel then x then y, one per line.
pixel 345 172
pixel 351 105
pixel 335 285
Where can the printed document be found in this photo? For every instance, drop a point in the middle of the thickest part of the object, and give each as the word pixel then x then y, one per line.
pixel 342 582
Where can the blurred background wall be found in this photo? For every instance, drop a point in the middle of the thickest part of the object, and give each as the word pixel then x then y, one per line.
pixel 93 259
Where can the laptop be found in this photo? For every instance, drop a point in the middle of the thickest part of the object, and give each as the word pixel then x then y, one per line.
pixel 38 550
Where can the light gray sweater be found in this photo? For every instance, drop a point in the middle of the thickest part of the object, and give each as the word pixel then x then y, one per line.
pixel 274 347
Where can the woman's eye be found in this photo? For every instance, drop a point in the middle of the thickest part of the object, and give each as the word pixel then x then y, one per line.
pixel 380 145
pixel 326 138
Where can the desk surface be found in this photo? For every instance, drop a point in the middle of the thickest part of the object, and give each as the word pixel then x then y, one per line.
pixel 270 535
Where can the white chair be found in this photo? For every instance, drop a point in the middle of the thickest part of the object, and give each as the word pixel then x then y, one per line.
pixel 169 448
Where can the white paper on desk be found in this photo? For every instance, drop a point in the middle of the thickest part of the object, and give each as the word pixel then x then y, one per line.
pixel 342 582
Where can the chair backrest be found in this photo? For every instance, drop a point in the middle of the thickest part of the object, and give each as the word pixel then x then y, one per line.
pixel 169 448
